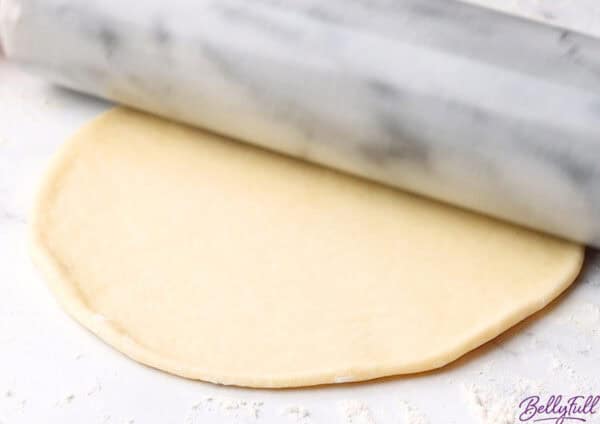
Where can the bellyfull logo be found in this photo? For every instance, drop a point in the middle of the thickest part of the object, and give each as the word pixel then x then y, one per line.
pixel 558 409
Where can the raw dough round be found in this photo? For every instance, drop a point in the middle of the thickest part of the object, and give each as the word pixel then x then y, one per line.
pixel 218 261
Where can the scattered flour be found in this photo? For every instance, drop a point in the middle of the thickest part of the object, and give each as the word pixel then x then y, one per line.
pixel 578 383
pixel 66 400
pixel 586 315
pixel 489 407
pixel 411 414
pixel 225 406
pixel 16 403
pixel 561 366
pixel 194 415
pixel 356 412
pixel 498 404
pixel 96 388
pixel 298 414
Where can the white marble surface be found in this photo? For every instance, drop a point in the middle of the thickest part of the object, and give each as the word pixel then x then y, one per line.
pixel 52 370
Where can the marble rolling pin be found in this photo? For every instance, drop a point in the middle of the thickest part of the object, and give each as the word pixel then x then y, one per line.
pixel 456 102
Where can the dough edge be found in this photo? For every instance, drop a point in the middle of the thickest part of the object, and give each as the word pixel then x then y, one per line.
pixel 68 296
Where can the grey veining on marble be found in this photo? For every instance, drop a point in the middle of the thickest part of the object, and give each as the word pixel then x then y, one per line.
pixel 463 104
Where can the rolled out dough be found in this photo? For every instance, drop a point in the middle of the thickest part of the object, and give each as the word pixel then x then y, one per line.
pixel 218 261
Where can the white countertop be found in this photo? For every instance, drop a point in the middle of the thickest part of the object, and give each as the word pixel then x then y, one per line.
pixel 53 370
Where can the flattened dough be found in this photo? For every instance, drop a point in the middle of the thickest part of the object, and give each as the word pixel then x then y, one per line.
pixel 214 260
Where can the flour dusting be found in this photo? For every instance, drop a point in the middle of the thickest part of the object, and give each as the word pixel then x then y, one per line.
pixel 66 400
pixel 96 388
pixel 225 406
pixel 356 412
pixel 298 414
pixel 411 414
pixel 498 404
pixel 586 315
